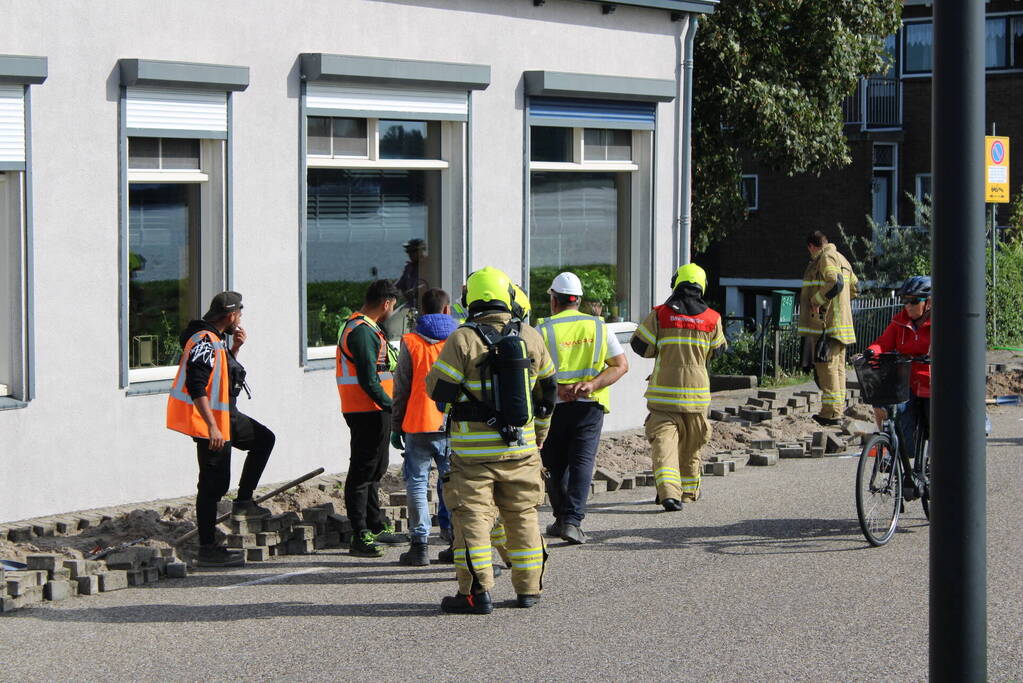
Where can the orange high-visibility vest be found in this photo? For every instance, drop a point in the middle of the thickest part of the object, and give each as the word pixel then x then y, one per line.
pixel 353 398
pixel 421 413
pixel 182 415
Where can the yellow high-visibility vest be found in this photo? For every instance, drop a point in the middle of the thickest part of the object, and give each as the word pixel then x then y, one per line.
pixel 578 346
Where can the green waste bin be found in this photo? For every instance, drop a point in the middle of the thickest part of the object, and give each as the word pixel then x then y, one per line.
pixel 783 303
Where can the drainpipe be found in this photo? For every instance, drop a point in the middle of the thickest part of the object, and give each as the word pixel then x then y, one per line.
pixel 685 146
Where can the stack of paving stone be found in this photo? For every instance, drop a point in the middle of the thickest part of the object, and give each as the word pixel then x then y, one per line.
pixel 609 480
pixel 51 577
pixel 289 533
pixel 767 405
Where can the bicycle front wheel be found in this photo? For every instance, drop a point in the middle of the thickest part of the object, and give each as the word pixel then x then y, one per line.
pixel 878 490
pixel 923 470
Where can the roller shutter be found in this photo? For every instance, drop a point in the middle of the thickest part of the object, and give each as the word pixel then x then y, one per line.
pixel 12 126
pixel 368 101
pixel 176 112
pixel 584 113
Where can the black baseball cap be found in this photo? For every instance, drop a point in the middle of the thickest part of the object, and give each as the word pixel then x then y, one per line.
pixel 222 304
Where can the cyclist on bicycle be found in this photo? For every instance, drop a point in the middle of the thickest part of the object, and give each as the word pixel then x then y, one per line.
pixel 909 333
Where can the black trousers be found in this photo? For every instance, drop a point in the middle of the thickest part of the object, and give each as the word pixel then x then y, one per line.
pixel 370 436
pixel 215 470
pixel 570 453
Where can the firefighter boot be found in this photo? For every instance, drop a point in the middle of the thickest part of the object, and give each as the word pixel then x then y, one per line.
pixel 474 603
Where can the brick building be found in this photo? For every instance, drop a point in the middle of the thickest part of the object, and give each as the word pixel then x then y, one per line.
pixel 888 125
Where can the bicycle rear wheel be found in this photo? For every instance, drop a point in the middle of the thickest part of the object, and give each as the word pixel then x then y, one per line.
pixel 878 490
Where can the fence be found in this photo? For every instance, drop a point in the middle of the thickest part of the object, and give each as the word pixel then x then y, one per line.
pixel 874 104
pixel 753 349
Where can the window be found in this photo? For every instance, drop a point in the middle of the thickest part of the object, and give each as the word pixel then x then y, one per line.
pixel 587 199
pixel 923 197
pixel 175 245
pixel 373 210
pixel 883 187
pixel 1003 44
pixel 12 285
pixel 751 191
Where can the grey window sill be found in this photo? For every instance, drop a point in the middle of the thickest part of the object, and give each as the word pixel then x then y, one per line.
pixel 319 364
pixel 8 403
pixel 162 386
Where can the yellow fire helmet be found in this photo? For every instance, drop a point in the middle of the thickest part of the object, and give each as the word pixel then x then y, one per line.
pixel 690 273
pixel 489 285
pixel 521 307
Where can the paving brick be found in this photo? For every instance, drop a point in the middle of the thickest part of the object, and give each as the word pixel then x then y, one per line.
pixel 241 540
pixel 613 479
pixel 151 574
pixel 329 507
pixel 338 522
pixel 45 562
pixel 796 402
pixel 763 458
pixel 817 451
pixel 833 444
pixel 755 402
pixel 597 486
pixel 43 528
pixel 7 604
pixel 332 539
pixel 628 483
pixel 708 468
pixel 136 577
pixel 818 439
pixel 767 393
pixel 57 590
pixel 313 515
pixel 247 526
pixel 731 410
pixel 268 538
pixel 302 532
pixel 177 570
pixel 88 585
pixel 113 580
pixel 257 554
pixel 762 444
pixel 719 415
pixel 720 469
pixel 20 534
pixel 791 452
pixel 65 526
pixel 18 584
pixel 59 574
pixel 299 547
pixel 740 458
pixel 31 596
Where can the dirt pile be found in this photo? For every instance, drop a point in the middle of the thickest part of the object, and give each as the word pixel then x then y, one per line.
pixel 1008 382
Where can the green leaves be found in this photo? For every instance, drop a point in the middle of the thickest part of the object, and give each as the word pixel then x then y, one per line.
pixel 769 82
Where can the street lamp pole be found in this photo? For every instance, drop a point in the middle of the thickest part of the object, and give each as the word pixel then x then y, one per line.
pixel 958 562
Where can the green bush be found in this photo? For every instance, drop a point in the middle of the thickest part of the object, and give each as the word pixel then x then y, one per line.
pixel 741 358
pixel 599 286
pixel 1003 301
pixel 328 305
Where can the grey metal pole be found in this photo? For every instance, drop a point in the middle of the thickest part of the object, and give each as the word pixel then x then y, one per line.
pixel 958 548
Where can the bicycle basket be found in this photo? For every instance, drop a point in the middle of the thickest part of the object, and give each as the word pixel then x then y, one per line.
pixel 884 379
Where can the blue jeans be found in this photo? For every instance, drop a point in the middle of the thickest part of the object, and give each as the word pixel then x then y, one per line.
pixel 421 452
pixel 906 416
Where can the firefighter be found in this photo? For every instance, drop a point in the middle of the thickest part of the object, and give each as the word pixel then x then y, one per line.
pixel 589 360
pixel 681 334
pixel 203 403
pixel 494 465
pixel 825 322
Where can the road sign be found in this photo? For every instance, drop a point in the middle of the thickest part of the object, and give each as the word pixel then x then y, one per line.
pixel 996 169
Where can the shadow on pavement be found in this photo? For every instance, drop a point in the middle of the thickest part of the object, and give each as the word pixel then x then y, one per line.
pixel 336 573
pixel 146 614
pixel 756 536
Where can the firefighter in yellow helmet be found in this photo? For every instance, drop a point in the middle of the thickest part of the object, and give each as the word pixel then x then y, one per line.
pixel 681 334
pixel 495 462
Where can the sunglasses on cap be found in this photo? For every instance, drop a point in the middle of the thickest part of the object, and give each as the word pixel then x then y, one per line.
pixel 914 300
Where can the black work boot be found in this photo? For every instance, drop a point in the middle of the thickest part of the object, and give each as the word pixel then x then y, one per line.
pixel 247 509
pixel 572 533
pixel 672 504
pixel 218 556
pixel 418 555
pixel 446 556
pixel 526 601
pixel 477 603
pixel 554 529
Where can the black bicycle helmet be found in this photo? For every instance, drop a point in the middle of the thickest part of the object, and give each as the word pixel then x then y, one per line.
pixel 916 285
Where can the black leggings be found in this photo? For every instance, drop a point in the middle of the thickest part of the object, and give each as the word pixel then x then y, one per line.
pixel 368 465
pixel 215 470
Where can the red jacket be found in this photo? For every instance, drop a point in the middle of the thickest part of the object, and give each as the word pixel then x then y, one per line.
pixel 901 336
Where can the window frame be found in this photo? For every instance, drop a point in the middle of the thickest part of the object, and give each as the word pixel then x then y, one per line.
pixel 756 190
pixel 1009 17
pixel 639 236
pixel 921 198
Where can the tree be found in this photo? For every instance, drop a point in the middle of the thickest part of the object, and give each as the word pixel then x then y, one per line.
pixel 769 81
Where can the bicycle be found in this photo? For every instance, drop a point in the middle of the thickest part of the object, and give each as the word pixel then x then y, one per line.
pixel 886 478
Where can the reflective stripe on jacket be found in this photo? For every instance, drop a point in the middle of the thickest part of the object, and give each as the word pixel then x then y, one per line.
pixel 681 344
pixel 182 415
pixel 578 346
pixel 421 414
pixel 353 398
pixel 819 280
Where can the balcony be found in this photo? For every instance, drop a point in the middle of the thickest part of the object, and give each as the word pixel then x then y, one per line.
pixel 875 105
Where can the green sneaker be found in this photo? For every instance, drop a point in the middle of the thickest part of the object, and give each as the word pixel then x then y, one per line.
pixel 364 545
pixel 387 536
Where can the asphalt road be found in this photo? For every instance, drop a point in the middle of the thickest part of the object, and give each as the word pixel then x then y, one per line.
pixel 766 578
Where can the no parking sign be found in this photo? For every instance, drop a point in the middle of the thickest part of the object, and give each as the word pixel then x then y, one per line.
pixel 996 169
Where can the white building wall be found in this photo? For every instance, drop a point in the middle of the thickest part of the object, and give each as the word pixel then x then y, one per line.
pixel 82 442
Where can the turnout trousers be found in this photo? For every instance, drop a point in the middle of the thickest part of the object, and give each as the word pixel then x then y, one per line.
pixel 676 440
pixel 831 379
pixel 475 493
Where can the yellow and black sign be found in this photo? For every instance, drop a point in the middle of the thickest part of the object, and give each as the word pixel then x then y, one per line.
pixel 996 170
